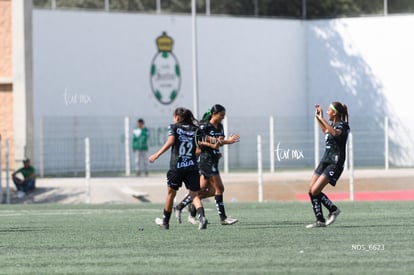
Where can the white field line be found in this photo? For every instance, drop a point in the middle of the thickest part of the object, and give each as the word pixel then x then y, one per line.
pixel 8 213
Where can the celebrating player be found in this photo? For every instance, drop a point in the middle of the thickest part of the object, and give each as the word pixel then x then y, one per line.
pixel 183 165
pixel 332 163
pixel 211 137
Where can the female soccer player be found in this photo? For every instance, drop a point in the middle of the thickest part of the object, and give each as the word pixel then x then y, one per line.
pixel 183 165
pixel 211 138
pixel 332 163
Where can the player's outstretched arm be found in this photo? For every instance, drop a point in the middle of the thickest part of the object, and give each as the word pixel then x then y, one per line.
pixel 209 143
pixel 167 145
pixel 233 138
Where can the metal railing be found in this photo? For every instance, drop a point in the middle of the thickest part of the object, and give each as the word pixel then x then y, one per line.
pixel 288 143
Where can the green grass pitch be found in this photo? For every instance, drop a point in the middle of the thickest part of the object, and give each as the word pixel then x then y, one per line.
pixel 270 238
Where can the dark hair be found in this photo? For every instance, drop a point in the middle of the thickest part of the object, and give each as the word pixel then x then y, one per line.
pixel 140 120
pixel 217 108
pixel 185 116
pixel 341 110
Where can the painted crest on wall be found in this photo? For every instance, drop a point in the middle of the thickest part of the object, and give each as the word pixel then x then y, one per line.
pixel 165 71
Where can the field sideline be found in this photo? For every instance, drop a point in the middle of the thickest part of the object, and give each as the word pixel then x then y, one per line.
pixel 368 238
pixel 380 184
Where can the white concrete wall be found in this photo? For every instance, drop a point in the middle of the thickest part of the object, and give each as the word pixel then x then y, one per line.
pixel 368 64
pixel 96 64
pixel 106 58
pixel 253 66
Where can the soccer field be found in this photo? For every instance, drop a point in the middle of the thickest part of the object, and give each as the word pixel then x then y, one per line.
pixel 270 238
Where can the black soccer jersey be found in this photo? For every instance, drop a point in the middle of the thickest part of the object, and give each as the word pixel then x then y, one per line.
pixel 335 146
pixel 183 152
pixel 207 129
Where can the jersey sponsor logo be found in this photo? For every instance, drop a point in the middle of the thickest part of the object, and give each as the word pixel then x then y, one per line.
pixel 216 134
pixel 165 71
pixel 185 163
pixel 189 134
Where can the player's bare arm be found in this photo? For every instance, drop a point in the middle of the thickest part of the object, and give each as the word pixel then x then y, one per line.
pixel 323 124
pixel 209 143
pixel 232 139
pixel 167 145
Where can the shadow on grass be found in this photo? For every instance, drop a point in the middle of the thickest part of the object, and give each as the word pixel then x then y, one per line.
pixel 45 195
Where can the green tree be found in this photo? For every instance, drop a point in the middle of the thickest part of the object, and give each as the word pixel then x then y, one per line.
pixel 132 5
pixel 281 8
pixel 269 8
pixel 81 4
pixel 400 6
pixel 341 8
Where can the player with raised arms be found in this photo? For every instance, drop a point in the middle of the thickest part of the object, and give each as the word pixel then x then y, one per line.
pixel 332 163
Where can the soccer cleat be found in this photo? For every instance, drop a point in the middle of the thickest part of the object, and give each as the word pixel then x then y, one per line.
pixel 192 220
pixel 203 223
pixel 316 224
pixel 332 216
pixel 229 221
pixel 161 223
pixel 177 214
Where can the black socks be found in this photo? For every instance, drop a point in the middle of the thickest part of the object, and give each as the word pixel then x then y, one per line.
pixel 328 203
pixel 220 207
pixel 316 206
pixel 166 217
pixel 200 212
pixel 186 201
pixel 318 201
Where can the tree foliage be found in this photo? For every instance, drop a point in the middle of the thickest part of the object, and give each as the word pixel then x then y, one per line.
pixel 313 9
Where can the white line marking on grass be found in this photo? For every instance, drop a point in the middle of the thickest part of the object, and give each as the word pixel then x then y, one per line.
pixel 9 213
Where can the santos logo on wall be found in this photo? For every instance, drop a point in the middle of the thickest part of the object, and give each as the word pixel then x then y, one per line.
pixel 165 71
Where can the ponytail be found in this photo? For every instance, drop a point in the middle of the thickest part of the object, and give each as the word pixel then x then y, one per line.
pixel 217 108
pixel 345 116
pixel 341 110
pixel 185 116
